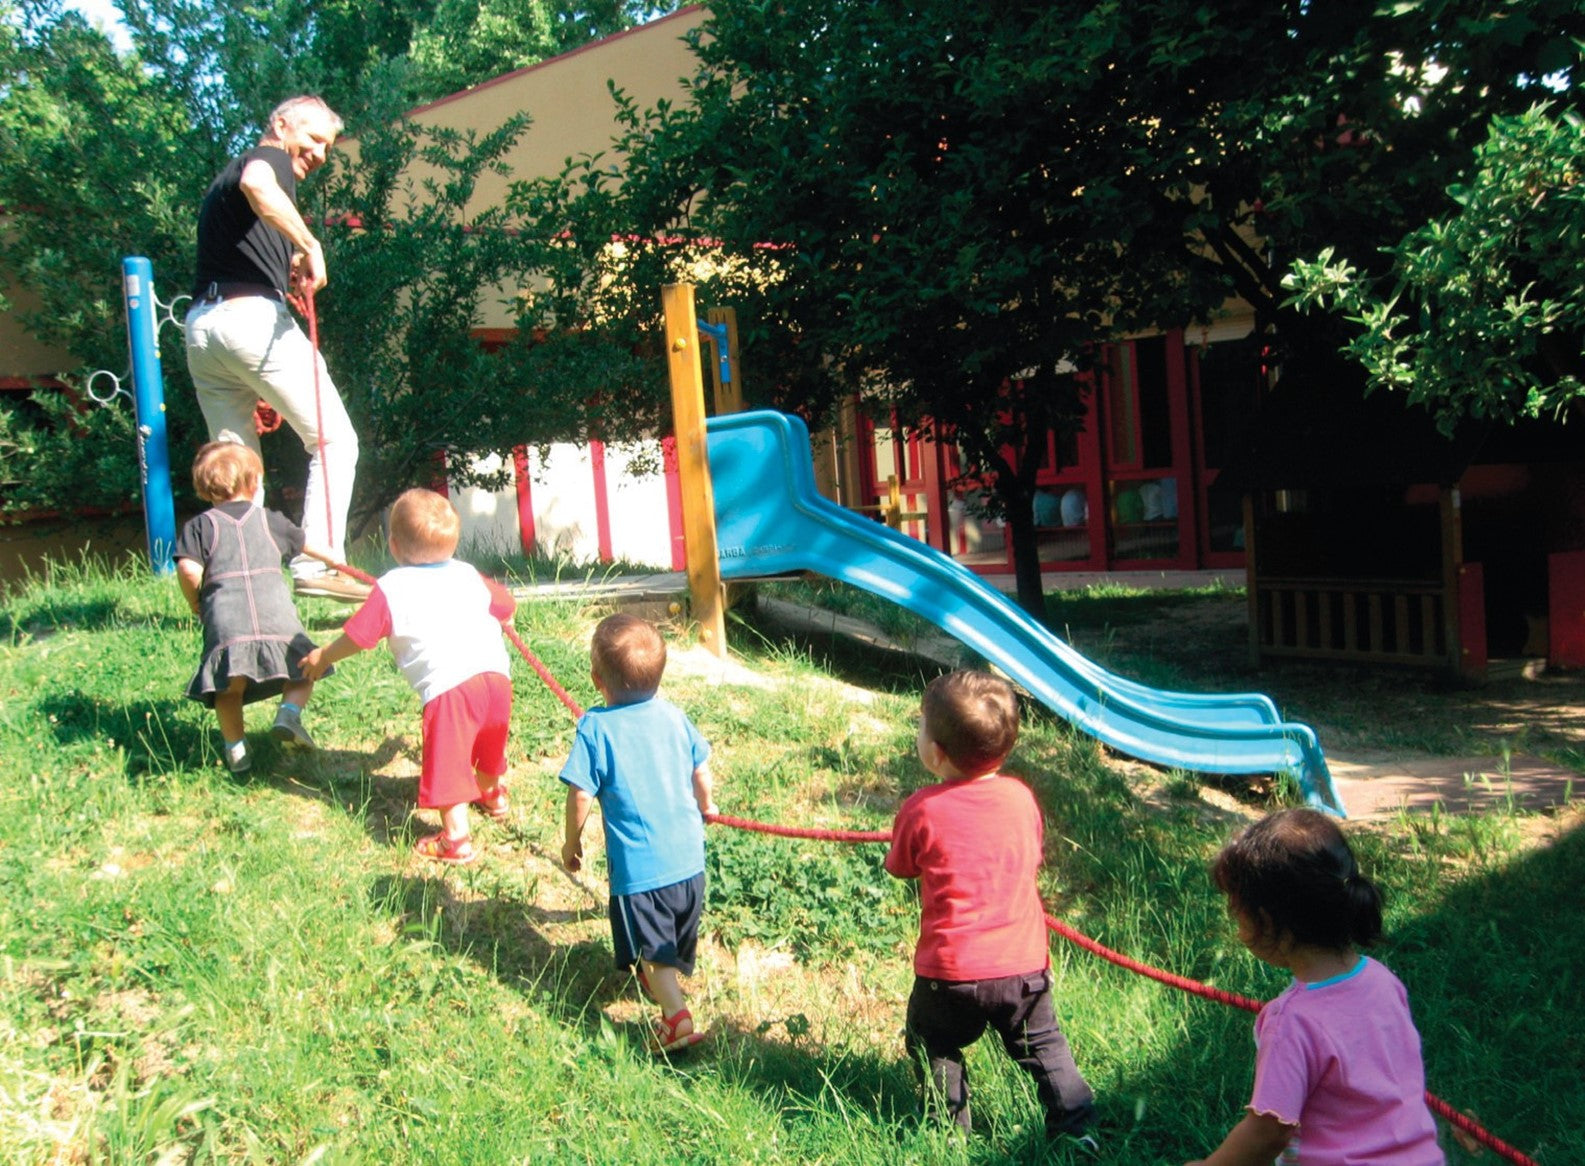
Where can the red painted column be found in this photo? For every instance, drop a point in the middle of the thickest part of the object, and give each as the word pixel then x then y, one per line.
pixel 1566 609
pixel 1182 450
pixel 526 534
pixel 602 501
pixel 679 544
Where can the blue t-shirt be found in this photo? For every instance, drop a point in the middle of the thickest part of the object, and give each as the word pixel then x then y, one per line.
pixel 638 761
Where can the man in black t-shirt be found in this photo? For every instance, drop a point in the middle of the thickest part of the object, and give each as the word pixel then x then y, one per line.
pixel 244 345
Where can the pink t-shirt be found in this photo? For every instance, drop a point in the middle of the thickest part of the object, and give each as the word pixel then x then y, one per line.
pixel 974 846
pixel 1340 1059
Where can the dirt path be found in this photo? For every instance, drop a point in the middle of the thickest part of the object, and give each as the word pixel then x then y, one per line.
pixel 1395 740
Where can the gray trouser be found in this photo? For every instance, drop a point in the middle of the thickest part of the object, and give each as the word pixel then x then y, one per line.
pixel 945 1017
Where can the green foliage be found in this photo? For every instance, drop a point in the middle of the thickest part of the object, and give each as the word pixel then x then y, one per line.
pixel 1482 314
pixel 45 461
pixel 814 899
pixel 944 207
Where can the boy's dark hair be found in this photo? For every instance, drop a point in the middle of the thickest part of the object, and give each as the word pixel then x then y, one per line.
pixel 1293 874
pixel 629 656
pixel 973 717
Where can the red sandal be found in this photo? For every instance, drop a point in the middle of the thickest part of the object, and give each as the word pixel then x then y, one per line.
pixel 457 851
pixel 494 804
pixel 666 1038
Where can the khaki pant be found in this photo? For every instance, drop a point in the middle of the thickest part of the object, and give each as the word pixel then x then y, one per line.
pixel 248 348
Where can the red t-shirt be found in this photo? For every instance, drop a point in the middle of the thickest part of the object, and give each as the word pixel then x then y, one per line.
pixel 974 845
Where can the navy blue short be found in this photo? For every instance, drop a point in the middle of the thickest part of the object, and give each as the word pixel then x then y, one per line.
pixel 660 926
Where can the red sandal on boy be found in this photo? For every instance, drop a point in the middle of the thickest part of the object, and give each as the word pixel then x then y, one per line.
pixel 457 851
pixel 667 1039
pixel 494 804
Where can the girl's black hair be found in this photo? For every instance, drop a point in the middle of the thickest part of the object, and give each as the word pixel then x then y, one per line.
pixel 1293 874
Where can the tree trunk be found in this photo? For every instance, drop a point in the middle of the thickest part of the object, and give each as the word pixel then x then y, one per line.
pixel 1026 554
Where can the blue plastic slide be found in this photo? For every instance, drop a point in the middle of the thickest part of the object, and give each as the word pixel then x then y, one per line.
pixel 770 520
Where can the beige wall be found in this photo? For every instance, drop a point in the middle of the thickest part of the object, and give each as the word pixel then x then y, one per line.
pixel 571 107
pixel 568 99
pixel 20 354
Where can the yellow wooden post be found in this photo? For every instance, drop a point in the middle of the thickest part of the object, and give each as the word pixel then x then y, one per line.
pixel 728 394
pixel 693 465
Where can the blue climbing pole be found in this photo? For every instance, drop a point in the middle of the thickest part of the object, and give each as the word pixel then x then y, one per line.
pixel 148 394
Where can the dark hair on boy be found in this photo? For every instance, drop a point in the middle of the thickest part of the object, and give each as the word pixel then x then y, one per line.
pixel 973 717
pixel 629 656
pixel 224 469
pixel 1294 875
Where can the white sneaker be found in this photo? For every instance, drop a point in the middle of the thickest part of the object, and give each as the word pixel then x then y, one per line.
pixel 288 729
pixel 237 757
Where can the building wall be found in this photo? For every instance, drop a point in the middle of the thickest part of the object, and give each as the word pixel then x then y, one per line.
pixel 23 356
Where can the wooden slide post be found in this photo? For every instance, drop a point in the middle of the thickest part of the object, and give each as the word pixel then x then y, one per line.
pixel 693 465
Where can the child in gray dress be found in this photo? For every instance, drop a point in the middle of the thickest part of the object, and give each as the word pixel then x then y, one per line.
pixel 228 561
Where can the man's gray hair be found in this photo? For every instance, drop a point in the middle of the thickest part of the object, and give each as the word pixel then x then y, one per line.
pixel 293 108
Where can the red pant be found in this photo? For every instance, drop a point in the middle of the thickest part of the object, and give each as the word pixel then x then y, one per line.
pixel 464 732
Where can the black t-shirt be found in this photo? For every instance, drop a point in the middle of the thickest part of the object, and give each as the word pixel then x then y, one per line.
pixel 234 244
pixel 196 542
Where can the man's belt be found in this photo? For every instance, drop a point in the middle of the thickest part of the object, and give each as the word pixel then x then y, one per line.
pixel 219 290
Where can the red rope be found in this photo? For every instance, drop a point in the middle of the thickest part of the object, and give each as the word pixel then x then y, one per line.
pixel 544 673
pixel 802 832
pixel 1459 1120
pixel 319 408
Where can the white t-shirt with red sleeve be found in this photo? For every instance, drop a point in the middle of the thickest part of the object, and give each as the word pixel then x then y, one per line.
pixel 975 846
pixel 1340 1059
pixel 443 623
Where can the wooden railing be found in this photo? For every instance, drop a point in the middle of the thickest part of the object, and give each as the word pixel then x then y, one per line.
pixel 1376 621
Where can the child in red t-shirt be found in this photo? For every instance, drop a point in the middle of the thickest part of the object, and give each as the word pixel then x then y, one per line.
pixel 974 842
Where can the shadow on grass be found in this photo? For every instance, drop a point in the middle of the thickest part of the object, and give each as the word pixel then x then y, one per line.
pixel 158 736
pixel 172 735
pixel 576 982
pixel 54 615
pixel 853 661
pixel 1493 977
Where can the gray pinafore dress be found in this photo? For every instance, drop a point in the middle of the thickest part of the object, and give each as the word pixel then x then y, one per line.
pixel 250 626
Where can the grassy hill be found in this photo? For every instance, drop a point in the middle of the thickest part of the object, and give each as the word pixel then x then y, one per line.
pixel 197 968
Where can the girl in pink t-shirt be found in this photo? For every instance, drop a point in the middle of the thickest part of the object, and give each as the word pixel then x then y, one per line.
pixel 1338 1075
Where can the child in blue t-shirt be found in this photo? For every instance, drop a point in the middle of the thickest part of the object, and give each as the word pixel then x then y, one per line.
pixel 648 767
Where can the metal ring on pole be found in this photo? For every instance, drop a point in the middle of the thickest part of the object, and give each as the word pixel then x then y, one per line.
pixel 117 390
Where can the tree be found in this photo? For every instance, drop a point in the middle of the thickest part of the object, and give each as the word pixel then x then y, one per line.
pixel 948 206
pixel 1483 313
pixel 465 41
pixel 77 198
pixel 107 155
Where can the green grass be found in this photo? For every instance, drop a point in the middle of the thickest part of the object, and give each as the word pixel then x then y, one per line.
pixel 199 969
